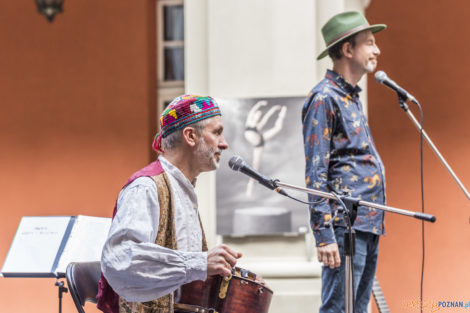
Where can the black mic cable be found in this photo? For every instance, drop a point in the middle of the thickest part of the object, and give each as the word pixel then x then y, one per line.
pixel 237 163
pixel 422 201
pixel 421 161
pixel 403 95
pixel 284 193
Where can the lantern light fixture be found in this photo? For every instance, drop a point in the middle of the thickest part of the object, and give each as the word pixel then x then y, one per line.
pixel 49 8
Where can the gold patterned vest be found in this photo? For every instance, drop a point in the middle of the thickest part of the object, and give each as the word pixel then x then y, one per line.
pixel 166 237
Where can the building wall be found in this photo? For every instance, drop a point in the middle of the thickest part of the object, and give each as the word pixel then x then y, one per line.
pixel 77 115
pixel 425 51
pixel 262 48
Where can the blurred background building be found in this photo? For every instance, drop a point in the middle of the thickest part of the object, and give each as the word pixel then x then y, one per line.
pixel 80 98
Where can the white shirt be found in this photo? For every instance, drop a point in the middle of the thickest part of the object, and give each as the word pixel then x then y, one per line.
pixel 138 269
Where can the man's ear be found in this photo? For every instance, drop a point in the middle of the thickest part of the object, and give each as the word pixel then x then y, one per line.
pixel 347 50
pixel 190 136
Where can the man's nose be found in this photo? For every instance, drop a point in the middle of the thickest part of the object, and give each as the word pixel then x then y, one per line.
pixel 377 50
pixel 223 143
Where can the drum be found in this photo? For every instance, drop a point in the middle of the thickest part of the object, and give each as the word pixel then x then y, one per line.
pixel 238 293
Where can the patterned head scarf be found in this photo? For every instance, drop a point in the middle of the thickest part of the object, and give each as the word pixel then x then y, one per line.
pixel 183 111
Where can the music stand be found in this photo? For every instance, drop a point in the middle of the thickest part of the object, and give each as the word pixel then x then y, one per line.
pixel 43 246
pixel 61 289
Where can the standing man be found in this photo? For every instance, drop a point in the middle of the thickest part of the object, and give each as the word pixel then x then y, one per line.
pixel 341 157
pixel 156 242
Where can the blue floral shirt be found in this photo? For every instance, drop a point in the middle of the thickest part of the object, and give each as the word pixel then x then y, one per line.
pixel 340 157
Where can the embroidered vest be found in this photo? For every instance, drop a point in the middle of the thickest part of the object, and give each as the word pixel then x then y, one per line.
pixel 108 300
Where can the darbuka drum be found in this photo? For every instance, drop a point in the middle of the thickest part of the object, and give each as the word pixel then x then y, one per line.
pixel 239 293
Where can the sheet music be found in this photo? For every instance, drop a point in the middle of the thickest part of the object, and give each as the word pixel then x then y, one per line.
pixel 44 245
pixel 85 242
pixel 36 245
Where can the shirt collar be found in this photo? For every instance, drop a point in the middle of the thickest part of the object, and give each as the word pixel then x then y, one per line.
pixel 177 174
pixel 343 84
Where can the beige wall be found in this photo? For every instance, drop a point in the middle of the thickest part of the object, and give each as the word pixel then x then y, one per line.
pixel 426 52
pixel 77 114
pixel 262 48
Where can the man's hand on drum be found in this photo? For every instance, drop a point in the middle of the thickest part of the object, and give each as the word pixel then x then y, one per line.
pixel 221 260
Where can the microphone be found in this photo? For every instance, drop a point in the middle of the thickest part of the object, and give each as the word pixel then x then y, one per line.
pixel 236 163
pixel 382 78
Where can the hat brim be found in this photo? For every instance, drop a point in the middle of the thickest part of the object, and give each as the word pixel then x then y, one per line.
pixel 373 28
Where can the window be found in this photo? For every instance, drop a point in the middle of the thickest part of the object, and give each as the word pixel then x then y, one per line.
pixel 170 51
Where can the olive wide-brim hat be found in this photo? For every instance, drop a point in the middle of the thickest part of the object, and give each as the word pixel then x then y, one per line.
pixel 345 25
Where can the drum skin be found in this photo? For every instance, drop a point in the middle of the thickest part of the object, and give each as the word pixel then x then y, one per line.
pixel 243 294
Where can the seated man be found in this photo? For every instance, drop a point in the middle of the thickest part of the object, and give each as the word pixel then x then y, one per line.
pixel 156 242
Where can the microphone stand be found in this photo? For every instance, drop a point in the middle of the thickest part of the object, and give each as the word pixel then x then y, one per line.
pixel 350 205
pixel 404 106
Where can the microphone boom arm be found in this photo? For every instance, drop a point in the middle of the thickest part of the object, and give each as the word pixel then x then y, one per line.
pixel 236 163
pixel 418 215
pixel 404 106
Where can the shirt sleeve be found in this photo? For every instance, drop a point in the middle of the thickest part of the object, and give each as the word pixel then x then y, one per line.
pixel 136 268
pixel 318 123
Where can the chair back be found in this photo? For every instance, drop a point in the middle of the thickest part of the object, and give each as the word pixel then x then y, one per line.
pixel 82 280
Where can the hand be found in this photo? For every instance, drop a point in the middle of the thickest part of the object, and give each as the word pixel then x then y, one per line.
pixel 329 255
pixel 221 260
pixel 256 121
